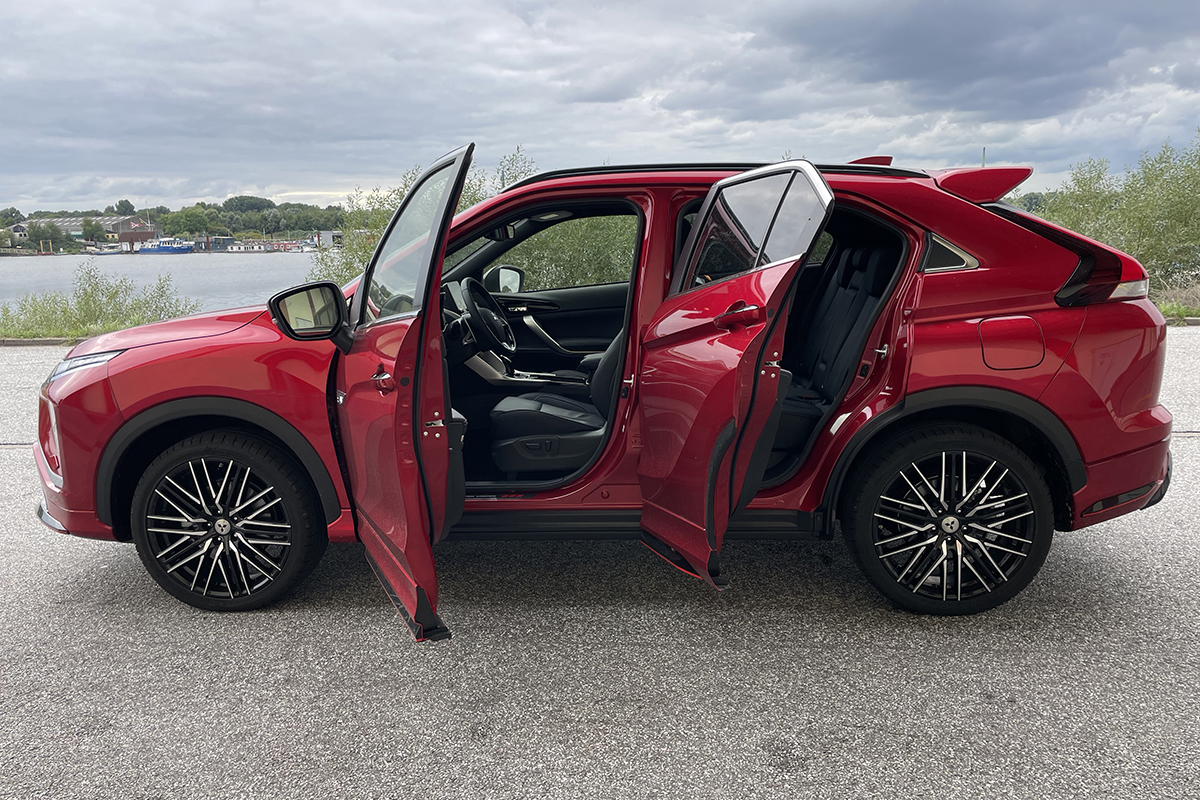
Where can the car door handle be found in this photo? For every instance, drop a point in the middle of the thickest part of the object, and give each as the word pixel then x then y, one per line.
pixel 738 315
pixel 383 380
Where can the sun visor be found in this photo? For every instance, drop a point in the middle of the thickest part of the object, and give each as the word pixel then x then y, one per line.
pixel 981 184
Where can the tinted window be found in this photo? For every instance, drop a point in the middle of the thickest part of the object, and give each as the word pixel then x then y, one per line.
pixel 734 228
pixel 796 225
pixel 403 263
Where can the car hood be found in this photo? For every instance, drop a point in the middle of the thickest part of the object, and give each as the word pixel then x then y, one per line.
pixel 197 326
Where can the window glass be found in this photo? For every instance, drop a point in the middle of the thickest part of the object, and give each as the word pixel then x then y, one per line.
pixel 580 251
pixel 733 231
pixel 796 224
pixel 403 263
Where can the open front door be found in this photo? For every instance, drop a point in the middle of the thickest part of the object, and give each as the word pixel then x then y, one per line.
pixel 394 415
pixel 711 384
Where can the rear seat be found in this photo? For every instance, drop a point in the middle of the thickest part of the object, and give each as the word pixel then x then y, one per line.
pixel 833 339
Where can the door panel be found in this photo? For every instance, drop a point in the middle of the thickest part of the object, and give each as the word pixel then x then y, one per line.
pixel 378 438
pixel 709 381
pixel 393 405
pixel 573 322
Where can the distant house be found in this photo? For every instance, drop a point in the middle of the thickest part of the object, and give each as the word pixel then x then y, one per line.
pixel 19 230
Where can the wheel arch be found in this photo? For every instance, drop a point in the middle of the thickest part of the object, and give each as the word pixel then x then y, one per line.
pixel 142 438
pixel 1023 421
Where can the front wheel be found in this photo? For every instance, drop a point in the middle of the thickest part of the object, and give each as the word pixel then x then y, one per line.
pixel 949 519
pixel 225 522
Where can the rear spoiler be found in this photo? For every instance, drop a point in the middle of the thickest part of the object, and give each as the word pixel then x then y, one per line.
pixel 980 184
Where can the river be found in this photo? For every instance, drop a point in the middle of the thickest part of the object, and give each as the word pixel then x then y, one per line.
pixel 216 280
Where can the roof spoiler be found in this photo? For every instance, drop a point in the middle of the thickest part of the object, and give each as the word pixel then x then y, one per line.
pixel 980 184
pixel 874 161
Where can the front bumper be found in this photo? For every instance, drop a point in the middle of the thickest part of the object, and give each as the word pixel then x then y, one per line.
pixel 44 516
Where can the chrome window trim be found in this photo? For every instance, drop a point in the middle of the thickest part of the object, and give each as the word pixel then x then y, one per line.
pixel 969 261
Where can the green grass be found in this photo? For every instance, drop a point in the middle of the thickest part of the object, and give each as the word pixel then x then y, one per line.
pixel 98 303
pixel 1174 310
pixel 1178 300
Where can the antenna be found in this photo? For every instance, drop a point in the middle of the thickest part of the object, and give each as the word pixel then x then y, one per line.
pixel 984 162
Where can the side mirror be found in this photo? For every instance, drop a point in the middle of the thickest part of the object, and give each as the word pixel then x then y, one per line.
pixel 505 280
pixel 313 312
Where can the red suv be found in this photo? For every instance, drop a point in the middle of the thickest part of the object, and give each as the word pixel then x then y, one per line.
pixel 678 352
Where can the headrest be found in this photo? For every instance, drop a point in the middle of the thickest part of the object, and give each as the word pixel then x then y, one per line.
pixel 880 268
pixel 852 261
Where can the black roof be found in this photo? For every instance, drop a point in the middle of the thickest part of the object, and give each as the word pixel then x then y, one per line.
pixel 842 169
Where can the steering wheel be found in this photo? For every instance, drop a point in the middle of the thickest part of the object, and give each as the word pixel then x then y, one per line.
pixel 487 319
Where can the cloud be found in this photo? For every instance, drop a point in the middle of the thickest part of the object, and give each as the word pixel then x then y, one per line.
pixel 170 104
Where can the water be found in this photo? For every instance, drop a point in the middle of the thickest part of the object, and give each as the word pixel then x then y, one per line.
pixel 216 280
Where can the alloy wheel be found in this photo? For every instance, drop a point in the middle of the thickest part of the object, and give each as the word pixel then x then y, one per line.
pixel 954 525
pixel 218 528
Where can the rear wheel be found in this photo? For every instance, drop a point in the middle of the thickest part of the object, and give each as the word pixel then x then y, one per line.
pixel 949 519
pixel 225 522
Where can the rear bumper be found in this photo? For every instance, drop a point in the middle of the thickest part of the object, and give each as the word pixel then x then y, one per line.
pixel 1128 482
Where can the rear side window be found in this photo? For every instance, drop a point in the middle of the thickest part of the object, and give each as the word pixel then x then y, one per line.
pixel 735 228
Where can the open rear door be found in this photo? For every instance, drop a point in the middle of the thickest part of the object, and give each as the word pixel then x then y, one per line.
pixel 710 378
pixel 394 416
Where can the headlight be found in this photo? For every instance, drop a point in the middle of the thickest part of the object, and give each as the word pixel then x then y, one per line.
pixel 80 362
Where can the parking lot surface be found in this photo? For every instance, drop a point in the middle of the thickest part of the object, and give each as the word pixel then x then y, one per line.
pixel 594 669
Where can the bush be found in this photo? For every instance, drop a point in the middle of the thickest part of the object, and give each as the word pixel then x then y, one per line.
pixel 97 304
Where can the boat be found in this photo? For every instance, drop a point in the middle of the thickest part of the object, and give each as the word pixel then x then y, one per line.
pixel 167 245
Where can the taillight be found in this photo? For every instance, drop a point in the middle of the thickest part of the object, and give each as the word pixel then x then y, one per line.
pixel 1103 274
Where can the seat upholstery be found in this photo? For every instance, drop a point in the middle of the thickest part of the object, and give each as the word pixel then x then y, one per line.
pixel 833 339
pixel 544 431
pixel 536 414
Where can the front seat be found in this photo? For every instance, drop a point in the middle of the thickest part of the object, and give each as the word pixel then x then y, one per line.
pixel 544 432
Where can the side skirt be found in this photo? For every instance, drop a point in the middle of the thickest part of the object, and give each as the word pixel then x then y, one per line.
pixel 624 524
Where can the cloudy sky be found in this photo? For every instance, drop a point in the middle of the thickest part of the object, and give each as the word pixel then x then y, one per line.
pixel 176 102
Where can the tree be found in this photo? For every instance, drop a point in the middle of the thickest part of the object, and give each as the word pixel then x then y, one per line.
pixel 366 215
pixel 125 208
pixel 93 231
pixel 185 220
pixel 1151 212
pixel 10 216
pixel 245 202
pixel 41 232
pixel 272 220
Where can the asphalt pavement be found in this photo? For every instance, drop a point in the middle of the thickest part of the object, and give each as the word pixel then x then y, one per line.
pixel 593 669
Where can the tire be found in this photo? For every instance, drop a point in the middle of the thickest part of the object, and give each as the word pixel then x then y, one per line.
pixel 226 522
pixel 949 519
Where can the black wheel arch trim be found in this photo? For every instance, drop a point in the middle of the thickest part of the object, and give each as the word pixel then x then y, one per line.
pixel 959 397
pixel 174 410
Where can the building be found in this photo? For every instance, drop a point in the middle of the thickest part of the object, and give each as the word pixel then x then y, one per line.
pixel 113 226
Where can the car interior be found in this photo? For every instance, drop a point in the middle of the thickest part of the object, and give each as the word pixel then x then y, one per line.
pixel 534 313
pixel 534 345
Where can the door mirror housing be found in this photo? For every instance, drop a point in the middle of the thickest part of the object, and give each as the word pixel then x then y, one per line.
pixel 313 312
pixel 504 280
